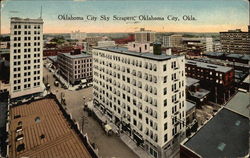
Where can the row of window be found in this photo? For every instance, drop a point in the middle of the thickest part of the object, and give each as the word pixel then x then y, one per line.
pixel 26 86
pixel 26 50
pixel 26 38
pixel 26 26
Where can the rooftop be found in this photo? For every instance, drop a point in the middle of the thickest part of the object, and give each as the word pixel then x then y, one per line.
pixel 239 103
pixel 43 132
pixel 214 54
pixel 190 81
pixel 189 105
pixel 218 68
pixel 125 51
pixel 82 55
pixel 200 93
pixel 225 135
pixel 26 20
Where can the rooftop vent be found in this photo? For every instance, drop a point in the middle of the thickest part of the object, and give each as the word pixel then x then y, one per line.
pixel 37 119
pixel 20 147
pixel 42 136
pixel 17 116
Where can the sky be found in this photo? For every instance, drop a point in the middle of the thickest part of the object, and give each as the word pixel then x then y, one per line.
pixel 210 15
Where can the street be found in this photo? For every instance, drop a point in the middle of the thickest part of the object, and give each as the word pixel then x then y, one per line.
pixel 108 146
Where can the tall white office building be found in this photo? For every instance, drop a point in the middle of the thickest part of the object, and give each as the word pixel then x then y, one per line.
pixel 143 94
pixel 144 36
pixel 26 57
pixel 209 44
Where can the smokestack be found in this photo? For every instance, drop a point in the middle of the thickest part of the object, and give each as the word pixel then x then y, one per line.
pixel 157 48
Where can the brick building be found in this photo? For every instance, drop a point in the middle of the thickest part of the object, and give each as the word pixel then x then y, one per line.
pixel 215 78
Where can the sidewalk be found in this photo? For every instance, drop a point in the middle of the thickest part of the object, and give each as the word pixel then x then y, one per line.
pixel 125 138
pixel 132 145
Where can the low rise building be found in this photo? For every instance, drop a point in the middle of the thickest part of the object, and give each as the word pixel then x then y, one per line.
pixel 195 92
pixel 105 43
pixel 224 135
pixel 40 129
pixel 75 67
pixel 219 80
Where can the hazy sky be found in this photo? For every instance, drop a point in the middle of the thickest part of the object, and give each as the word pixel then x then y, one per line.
pixel 211 15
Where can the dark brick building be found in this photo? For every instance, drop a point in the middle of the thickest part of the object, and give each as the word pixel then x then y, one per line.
pixel 219 80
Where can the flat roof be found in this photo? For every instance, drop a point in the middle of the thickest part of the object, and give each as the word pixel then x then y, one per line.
pixel 239 103
pixel 201 93
pixel 190 81
pixel 53 58
pixel 218 68
pixel 125 51
pixel 82 55
pixel 225 135
pixel 45 131
pixel 239 56
pixel 189 105
pixel 214 54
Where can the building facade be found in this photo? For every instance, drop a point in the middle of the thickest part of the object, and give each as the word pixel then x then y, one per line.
pixel 105 43
pixel 209 44
pixel 172 41
pixel 26 57
pixel 219 80
pixel 143 94
pixel 74 67
pixel 235 41
pixel 77 35
pixel 144 36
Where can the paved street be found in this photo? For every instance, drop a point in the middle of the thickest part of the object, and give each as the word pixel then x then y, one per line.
pixel 108 146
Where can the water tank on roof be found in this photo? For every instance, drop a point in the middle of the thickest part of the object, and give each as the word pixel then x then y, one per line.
pixel 157 48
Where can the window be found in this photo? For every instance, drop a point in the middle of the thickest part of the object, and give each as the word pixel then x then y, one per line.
pixel 165 137
pixel 165 79
pixel 165 126
pixel 165 91
pixel 165 102
pixel 165 114
pixel 165 67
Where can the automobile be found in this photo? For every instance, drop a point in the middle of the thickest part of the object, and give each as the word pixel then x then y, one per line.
pixel 56 83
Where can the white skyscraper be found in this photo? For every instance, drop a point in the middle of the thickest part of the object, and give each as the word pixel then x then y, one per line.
pixel 26 57
pixel 144 94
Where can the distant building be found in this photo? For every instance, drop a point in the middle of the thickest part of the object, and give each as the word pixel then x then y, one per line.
pixel 26 57
pixel 143 94
pixel 77 35
pixel 219 80
pixel 92 41
pixel 235 41
pixel 105 43
pixel 172 41
pixel 209 44
pixel 4 44
pixel 75 66
pixel 144 36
